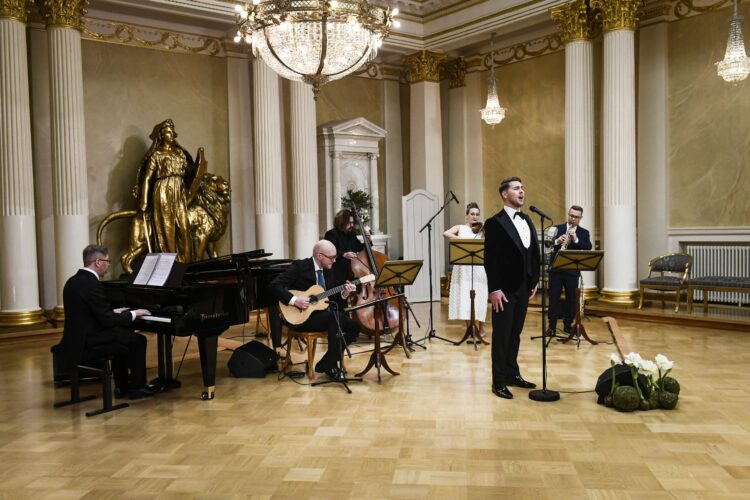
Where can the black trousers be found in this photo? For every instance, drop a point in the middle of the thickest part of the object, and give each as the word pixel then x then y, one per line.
pixel 557 308
pixel 326 320
pixel 507 326
pixel 129 365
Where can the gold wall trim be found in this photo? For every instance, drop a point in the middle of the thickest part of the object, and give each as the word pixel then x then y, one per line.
pixel 526 50
pixel 684 8
pixel 63 13
pixel 618 14
pixel 575 20
pixel 423 66
pixel 14 9
pixel 456 72
pixel 125 34
pixel 23 318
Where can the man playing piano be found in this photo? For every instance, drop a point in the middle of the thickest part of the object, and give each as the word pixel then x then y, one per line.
pixel 301 275
pixel 90 322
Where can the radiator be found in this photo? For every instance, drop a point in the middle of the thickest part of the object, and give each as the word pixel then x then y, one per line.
pixel 720 259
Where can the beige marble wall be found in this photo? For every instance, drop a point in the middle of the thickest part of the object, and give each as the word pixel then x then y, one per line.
pixel 127 91
pixel 709 128
pixel 530 141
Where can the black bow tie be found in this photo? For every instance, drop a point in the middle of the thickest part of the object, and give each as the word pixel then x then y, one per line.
pixel 517 214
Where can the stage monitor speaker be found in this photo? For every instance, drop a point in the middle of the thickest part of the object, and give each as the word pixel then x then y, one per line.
pixel 252 360
pixel 622 377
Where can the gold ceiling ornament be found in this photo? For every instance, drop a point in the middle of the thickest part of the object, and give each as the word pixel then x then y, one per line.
pixel 618 14
pixel 63 13
pixel 575 21
pixel 14 9
pixel 456 71
pixel 683 8
pixel 424 66
pixel 314 41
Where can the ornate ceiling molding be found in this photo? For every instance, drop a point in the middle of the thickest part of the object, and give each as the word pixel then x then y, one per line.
pixel 456 72
pixel 685 8
pixel 575 20
pixel 423 66
pixel 520 52
pixel 14 9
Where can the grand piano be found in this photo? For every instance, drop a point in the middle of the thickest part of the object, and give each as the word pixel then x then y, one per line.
pixel 203 299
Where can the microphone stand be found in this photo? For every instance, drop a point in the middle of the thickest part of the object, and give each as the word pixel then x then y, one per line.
pixel 543 395
pixel 431 326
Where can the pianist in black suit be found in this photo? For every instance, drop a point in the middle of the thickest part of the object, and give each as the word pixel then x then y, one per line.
pixel 301 275
pixel 91 322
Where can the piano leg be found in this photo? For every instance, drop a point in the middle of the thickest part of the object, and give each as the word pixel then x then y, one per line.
pixel 207 345
pixel 165 378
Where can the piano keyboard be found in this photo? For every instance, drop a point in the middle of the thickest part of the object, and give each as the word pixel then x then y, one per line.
pixel 158 319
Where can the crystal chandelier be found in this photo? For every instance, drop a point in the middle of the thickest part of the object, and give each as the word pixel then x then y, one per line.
pixel 314 41
pixel 493 113
pixel 735 67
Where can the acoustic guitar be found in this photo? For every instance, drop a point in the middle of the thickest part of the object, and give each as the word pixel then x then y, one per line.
pixel 318 299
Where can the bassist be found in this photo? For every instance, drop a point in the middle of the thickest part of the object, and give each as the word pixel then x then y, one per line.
pixel 301 275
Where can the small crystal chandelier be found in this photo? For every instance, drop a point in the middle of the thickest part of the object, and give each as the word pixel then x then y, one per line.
pixel 493 113
pixel 314 41
pixel 735 67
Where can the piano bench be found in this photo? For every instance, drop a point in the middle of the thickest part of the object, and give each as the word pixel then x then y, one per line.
pixel 104 370
pixel 311 339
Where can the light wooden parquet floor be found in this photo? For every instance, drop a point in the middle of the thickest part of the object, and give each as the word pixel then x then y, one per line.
pixel 435 431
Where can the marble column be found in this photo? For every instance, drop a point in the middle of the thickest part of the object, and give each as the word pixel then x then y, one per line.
pixel 269 218
pixel 619 18
pixel 426 138
pixel 19 280
pixel 394 168
pixel 577 30
pixel 68 137
pixel 375 221
pixel 305 184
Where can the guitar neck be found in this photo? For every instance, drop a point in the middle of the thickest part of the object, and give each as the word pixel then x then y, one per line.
pixel 334 291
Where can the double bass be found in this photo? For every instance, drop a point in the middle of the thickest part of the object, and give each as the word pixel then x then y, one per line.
pixel 370 261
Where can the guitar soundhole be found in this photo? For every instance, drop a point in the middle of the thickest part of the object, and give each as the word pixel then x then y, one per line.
pixel 312 300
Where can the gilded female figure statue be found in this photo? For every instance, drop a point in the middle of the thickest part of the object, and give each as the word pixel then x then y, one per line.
pixel 162 186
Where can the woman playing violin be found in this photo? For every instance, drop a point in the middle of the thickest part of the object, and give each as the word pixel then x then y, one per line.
pixel 459 304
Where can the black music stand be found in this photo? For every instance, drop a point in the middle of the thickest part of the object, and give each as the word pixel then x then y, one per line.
pixel 377 358
pixel 397 274
pixel 578 260
pixel 469 252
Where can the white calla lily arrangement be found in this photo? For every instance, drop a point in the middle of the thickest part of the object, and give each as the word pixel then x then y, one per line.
pixel 651 388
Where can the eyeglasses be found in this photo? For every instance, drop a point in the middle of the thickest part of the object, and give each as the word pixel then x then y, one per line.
pixel 104 260
pixel 573 216
pixel 332 259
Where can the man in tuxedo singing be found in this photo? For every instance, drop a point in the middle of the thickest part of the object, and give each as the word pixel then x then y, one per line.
pixel 301 275
pixel 572 237
pixel 511 260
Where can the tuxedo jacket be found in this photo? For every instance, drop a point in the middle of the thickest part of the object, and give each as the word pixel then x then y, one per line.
pixel 584 243
pixel 300 275
pixel 508 264
pixel 89 319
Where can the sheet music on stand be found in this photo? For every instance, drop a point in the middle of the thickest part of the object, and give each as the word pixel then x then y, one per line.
pixel 155 269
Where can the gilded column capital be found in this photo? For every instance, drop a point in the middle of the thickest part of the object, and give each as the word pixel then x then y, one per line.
pixel 63 13
pixel 575 20
pixel 456 71
pixel 14 9
pixel 424 66
pixel 618 14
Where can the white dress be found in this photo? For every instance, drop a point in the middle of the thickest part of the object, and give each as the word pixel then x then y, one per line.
pixel 459 303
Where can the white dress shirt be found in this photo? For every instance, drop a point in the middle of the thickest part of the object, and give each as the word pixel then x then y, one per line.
pixel 521 226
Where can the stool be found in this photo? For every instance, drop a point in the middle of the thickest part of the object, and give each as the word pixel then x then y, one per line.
pixel 311 339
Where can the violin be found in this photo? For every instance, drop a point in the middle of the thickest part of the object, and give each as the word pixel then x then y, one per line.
pixel 476 227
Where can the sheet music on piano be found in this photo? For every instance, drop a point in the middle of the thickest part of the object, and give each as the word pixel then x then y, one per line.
pixel 155 269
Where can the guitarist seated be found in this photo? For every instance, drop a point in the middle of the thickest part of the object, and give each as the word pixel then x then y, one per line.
pixel 305 273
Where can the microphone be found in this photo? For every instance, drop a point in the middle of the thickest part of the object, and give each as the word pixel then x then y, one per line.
pixel 454 197
pixel 539 212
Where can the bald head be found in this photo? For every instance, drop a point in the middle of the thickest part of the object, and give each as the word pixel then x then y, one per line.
pixel 324 253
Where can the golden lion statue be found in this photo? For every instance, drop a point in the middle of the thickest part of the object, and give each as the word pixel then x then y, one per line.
pixel 207 212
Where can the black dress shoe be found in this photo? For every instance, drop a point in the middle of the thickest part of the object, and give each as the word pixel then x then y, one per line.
pixel 140 393
pixel 518 381
pixel 120 394
pixel 568 329
pixel 502 391
pixel 335 373
pixel 319 369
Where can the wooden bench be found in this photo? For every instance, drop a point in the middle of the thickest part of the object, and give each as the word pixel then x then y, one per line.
pixel 715 284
